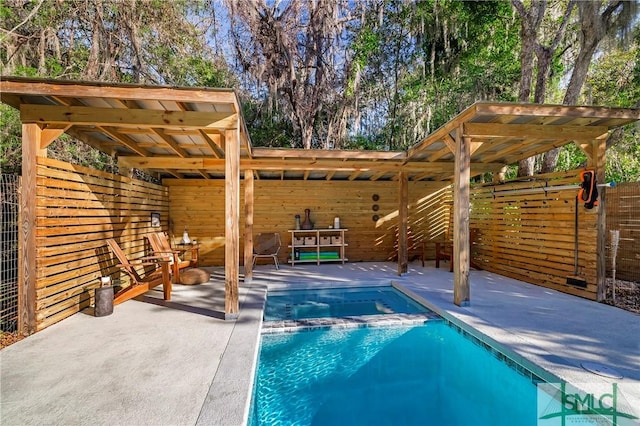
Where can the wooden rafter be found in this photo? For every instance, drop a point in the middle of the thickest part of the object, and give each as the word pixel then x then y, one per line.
pixel 175 147
pixel 378 175
pixel 354 175
pixel 215 146
pixel 92 142
pixel 125 140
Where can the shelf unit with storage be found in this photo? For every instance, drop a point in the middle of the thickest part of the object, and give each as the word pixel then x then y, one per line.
pixel 317 245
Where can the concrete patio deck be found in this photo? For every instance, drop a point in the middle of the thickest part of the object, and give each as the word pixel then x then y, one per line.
pixel 178 363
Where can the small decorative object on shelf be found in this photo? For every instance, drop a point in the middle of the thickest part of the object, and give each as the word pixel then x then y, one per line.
pixel 185 237
pixel 307 224
pixel 297 221
pixel 336 223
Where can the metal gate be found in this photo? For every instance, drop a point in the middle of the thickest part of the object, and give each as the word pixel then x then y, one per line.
pixel 9 226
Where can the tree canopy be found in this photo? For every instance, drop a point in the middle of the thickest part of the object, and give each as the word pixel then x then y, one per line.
pixel 374 74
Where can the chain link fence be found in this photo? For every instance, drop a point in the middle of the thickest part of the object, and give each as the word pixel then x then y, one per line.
pixel 9 226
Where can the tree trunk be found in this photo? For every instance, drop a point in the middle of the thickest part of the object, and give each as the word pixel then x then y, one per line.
pixel 594 27
pixel 531 21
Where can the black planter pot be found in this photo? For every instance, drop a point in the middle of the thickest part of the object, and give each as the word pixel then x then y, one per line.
pixel 104 301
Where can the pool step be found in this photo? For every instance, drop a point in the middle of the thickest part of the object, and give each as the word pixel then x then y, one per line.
pixel 269 327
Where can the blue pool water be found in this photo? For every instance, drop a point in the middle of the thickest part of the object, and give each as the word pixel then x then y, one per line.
pixel 338 302
pixel 431 374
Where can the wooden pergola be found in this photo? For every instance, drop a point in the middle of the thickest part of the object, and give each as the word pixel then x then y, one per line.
pixel 197 133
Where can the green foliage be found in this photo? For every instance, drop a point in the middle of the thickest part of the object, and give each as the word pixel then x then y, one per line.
pixel 10 140
pixel 432 60
pixel 623 159
pixel 267 130
pixel 613 78
pixel 570 158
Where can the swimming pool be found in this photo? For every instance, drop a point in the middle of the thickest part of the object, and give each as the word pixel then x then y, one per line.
pixel 338 302
pixel 428 374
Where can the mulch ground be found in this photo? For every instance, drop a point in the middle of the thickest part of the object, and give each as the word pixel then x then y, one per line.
pixel 7 339
pixel 627 295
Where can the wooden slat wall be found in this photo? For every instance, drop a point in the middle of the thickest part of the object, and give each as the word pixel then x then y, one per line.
pixel 530 236
pixel 199 206
pixel 623 214
pixel 77 210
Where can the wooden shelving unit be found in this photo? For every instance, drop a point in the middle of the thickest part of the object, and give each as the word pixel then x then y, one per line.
pixel 317 245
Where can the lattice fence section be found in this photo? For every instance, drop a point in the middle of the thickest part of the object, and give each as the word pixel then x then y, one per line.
pixel 77 210
pixel 9 226
pixel 526 231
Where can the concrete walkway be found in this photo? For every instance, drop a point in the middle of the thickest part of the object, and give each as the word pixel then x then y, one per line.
pixel 178 363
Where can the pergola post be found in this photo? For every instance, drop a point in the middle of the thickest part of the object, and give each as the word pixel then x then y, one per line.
pixel 248 225
pixel 403 253
pixel 461 292
pixel 599 147
pixel 31 149
pixel 232 218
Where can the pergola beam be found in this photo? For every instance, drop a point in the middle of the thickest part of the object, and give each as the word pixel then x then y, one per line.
pixel 122 117
pixel 565 132
pixel 66 89
pixel 300 165
pixel 557 111
pixel 284 154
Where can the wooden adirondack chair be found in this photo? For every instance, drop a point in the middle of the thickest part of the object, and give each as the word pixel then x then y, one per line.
pixel 161 247
pixel 139 285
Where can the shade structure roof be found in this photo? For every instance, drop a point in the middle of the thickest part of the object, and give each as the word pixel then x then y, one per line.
pixel 181 132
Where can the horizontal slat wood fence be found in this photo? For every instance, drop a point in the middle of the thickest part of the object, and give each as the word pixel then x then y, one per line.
pixel 524 235
pixel 529 235
pixel 77 210
pixel 623 214
pixel 199 206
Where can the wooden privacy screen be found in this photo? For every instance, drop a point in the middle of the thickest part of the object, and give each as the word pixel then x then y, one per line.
pixel 623 214
pixel 199 206
pixel 77 210
pixel 529 235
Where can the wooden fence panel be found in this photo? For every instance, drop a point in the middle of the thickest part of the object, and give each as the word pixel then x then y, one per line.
pixel 199 206
pixel 623 214
pixel 77 210
pixel 528 234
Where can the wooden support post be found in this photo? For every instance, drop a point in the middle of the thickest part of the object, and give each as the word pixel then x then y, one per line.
pixel 232 218
pixel 31 142
pixel 403 201
pixel 599 161
pixel 461 291
pixel 248 225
